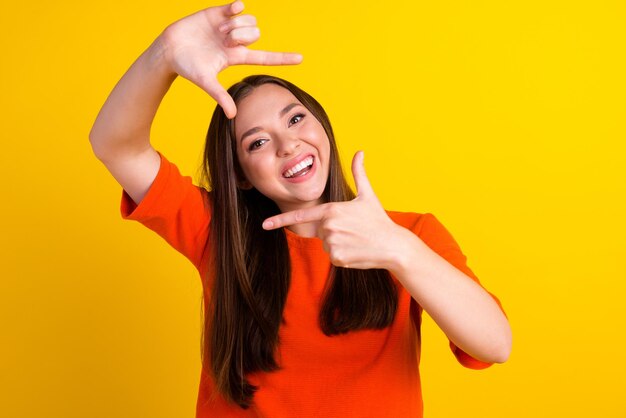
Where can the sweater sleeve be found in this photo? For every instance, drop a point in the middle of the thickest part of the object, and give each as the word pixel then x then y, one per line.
pixel 175 209
pixel 439 239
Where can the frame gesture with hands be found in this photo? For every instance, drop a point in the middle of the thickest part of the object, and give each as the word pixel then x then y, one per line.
pixel 356 234
pixel 201 45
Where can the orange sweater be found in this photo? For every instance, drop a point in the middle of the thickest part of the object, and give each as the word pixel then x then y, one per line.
pixel 372 373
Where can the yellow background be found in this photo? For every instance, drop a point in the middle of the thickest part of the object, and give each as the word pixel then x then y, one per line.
pixel 504 119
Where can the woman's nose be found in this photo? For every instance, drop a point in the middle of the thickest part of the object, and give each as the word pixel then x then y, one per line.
pixel 287 146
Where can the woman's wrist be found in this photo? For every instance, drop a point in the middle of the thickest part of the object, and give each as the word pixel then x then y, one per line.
pixel 406 249
pixel 159 59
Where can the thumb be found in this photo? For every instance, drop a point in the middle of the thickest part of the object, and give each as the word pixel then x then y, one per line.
pixel 221 96
pixel 363 186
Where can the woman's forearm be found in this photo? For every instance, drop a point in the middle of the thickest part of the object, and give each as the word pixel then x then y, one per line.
pixel 123 124
pixel 467 314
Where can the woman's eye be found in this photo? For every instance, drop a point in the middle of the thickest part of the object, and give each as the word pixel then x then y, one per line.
pixel 296 118
pixel 256 144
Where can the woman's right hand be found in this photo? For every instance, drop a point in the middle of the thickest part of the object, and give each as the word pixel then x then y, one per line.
pixel 201 45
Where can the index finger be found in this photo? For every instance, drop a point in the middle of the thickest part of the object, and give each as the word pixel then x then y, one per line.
pixel 257 57
pixel 300 216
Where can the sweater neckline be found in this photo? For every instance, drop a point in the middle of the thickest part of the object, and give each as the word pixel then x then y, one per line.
pixel 303 242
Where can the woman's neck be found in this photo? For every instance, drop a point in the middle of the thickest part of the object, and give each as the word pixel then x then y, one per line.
pixel 307 230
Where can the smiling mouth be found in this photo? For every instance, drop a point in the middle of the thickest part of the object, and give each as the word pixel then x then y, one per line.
pixel 299 169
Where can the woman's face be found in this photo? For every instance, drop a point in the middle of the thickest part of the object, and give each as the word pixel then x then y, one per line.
pixel 283 150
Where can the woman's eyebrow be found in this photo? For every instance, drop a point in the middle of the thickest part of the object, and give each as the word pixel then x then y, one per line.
pixel 287 109
pixel 256 129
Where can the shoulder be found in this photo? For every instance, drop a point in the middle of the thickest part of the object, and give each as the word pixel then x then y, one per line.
pixel 426 226
pixel 416 222
pixel 169 193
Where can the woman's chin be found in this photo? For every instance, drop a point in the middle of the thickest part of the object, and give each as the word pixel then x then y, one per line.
pixel 301 202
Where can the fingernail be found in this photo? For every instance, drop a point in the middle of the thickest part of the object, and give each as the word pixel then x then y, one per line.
pixel 268 224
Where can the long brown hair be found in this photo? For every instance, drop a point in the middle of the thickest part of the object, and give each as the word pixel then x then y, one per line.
pixel 251 267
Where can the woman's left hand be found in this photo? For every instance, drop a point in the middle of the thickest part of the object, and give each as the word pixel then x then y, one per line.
pixel 356 234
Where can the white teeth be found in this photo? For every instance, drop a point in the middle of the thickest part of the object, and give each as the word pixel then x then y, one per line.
pixel 299 167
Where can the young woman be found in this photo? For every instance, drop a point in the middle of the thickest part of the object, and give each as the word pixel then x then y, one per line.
pixel 313 295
